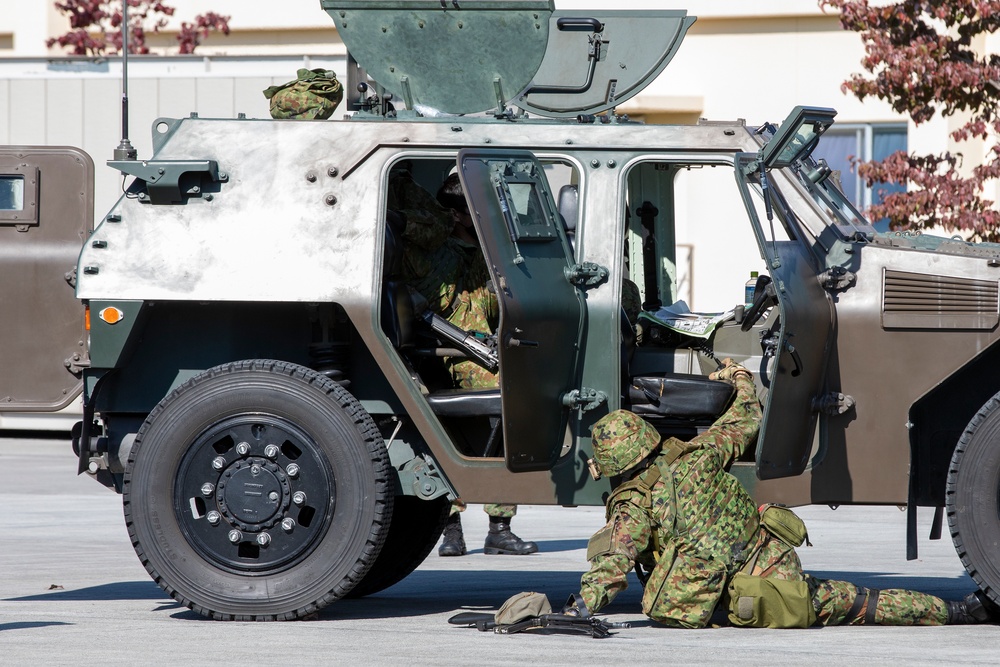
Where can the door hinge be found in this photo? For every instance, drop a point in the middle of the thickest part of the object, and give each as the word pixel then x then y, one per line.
pixel 835 403
pixel 584 399
pixel 586 274
pixel 837 278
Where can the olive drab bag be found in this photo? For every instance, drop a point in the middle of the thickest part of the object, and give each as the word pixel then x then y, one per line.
pixel 314 94
pixel 764 602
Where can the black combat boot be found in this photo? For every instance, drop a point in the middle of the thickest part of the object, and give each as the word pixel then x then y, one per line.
pixel 454 542
pixel 974 608
pixel 501 541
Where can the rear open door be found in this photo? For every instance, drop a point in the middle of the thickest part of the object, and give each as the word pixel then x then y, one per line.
pixel 46 212
pixel 541 311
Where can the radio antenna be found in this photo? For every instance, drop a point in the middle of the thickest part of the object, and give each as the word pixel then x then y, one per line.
pixel 125 151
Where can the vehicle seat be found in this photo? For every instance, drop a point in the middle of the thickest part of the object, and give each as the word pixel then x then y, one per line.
pixel 396 314
pixel 569 210
pixel 680 397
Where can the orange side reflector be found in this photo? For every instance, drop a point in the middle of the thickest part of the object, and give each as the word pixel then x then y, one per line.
pixel 111 315
pixel 86 317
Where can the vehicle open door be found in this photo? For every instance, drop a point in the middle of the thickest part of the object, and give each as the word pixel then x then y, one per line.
pixel 46 212
pixel 796 348
pixel 541 311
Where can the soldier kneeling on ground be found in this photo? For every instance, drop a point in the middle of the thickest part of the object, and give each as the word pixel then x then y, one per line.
pixel 678 515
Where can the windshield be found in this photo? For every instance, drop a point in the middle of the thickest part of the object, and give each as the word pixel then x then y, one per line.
pixel 823 184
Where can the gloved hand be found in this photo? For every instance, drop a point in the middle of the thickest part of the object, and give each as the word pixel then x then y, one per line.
pixel 730 369
pixel 575 606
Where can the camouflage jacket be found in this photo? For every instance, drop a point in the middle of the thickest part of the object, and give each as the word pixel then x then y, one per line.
pixel 450 273
pixel 692 532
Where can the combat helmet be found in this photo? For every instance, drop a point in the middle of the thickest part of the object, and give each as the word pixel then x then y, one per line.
pixel 621 440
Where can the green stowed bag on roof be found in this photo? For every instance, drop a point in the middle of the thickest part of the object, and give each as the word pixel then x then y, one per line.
pixel 315 94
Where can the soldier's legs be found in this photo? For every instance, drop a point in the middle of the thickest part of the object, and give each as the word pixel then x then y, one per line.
pixel 500 539
pixel 500 511
pixel 843 603
pixel 453 543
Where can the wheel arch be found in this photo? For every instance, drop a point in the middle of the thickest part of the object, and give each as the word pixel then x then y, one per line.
pixel 939 418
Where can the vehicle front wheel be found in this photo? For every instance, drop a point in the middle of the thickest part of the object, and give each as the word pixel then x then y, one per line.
pixel 258 490
pixel 972 498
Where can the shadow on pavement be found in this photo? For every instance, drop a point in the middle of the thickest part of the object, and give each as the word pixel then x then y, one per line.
pixel 442 591
pixel 550 546
pixel 427 592
pixel 24 625
pixel 123 590
pixel 949 588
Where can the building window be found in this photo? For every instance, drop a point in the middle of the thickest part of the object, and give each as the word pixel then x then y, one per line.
pixel 865 142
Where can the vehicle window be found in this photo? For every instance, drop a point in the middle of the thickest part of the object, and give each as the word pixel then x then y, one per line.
pixel 689 235
pixel 11 193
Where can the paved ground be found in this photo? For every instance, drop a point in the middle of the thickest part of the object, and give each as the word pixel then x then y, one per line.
pixel 72 592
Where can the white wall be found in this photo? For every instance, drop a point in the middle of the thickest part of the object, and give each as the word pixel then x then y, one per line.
pixel 78 103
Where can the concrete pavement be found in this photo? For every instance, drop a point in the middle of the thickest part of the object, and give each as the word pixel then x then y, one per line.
pixel 72 592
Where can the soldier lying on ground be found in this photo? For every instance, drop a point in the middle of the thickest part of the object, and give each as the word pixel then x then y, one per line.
pixel 679 515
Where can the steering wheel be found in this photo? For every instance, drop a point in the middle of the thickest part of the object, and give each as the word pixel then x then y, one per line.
pixel 765 296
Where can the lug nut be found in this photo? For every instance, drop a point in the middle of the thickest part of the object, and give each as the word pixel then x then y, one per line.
pixel 235 536
pixel 218 463
pixel 207 489
pixel 263 539
pixel 292 470
pixel 214 518
pixel 271 451
pixel 288 524
pixel 299 498
pixel 243 448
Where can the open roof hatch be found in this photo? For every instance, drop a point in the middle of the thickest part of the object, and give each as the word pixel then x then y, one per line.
pixel 597 60
pixel 449 56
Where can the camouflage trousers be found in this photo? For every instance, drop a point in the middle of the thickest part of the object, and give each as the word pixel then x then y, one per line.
pixel 493 509
pixel 470 375
pixel 833 600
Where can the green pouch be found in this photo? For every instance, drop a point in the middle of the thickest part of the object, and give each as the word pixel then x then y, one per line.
pixel 314 94
pixel 684 588
pixel 759 602
pixel 784 524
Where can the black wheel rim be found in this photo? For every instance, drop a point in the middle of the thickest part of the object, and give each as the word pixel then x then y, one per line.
pixel 254 493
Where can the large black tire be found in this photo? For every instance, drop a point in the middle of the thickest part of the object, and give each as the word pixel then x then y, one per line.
pixel 972 498
pixel 250 449
pixel 415 528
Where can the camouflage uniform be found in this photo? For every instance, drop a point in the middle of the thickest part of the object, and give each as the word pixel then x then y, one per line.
pixel 699 527
pixel 452 275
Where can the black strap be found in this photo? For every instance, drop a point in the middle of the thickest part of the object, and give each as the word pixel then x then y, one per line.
pixel 872 606
pixel 859 601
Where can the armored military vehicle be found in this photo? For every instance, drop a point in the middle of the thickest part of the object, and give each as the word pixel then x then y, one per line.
pixel 264 392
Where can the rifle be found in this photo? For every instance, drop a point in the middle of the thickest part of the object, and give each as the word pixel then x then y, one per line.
pixel 593 626
pixel 581 621
pixel 481 350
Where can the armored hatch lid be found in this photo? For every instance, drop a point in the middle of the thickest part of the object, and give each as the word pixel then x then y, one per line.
pixel 449 56
pixel 596 60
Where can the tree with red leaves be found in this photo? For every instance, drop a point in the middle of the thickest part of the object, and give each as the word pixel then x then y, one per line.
pixel 95 26
pixel 921 57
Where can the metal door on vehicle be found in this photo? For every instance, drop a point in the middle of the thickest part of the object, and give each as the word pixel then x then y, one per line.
pixel 46 211
pixel 793 368
pixel 541 311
